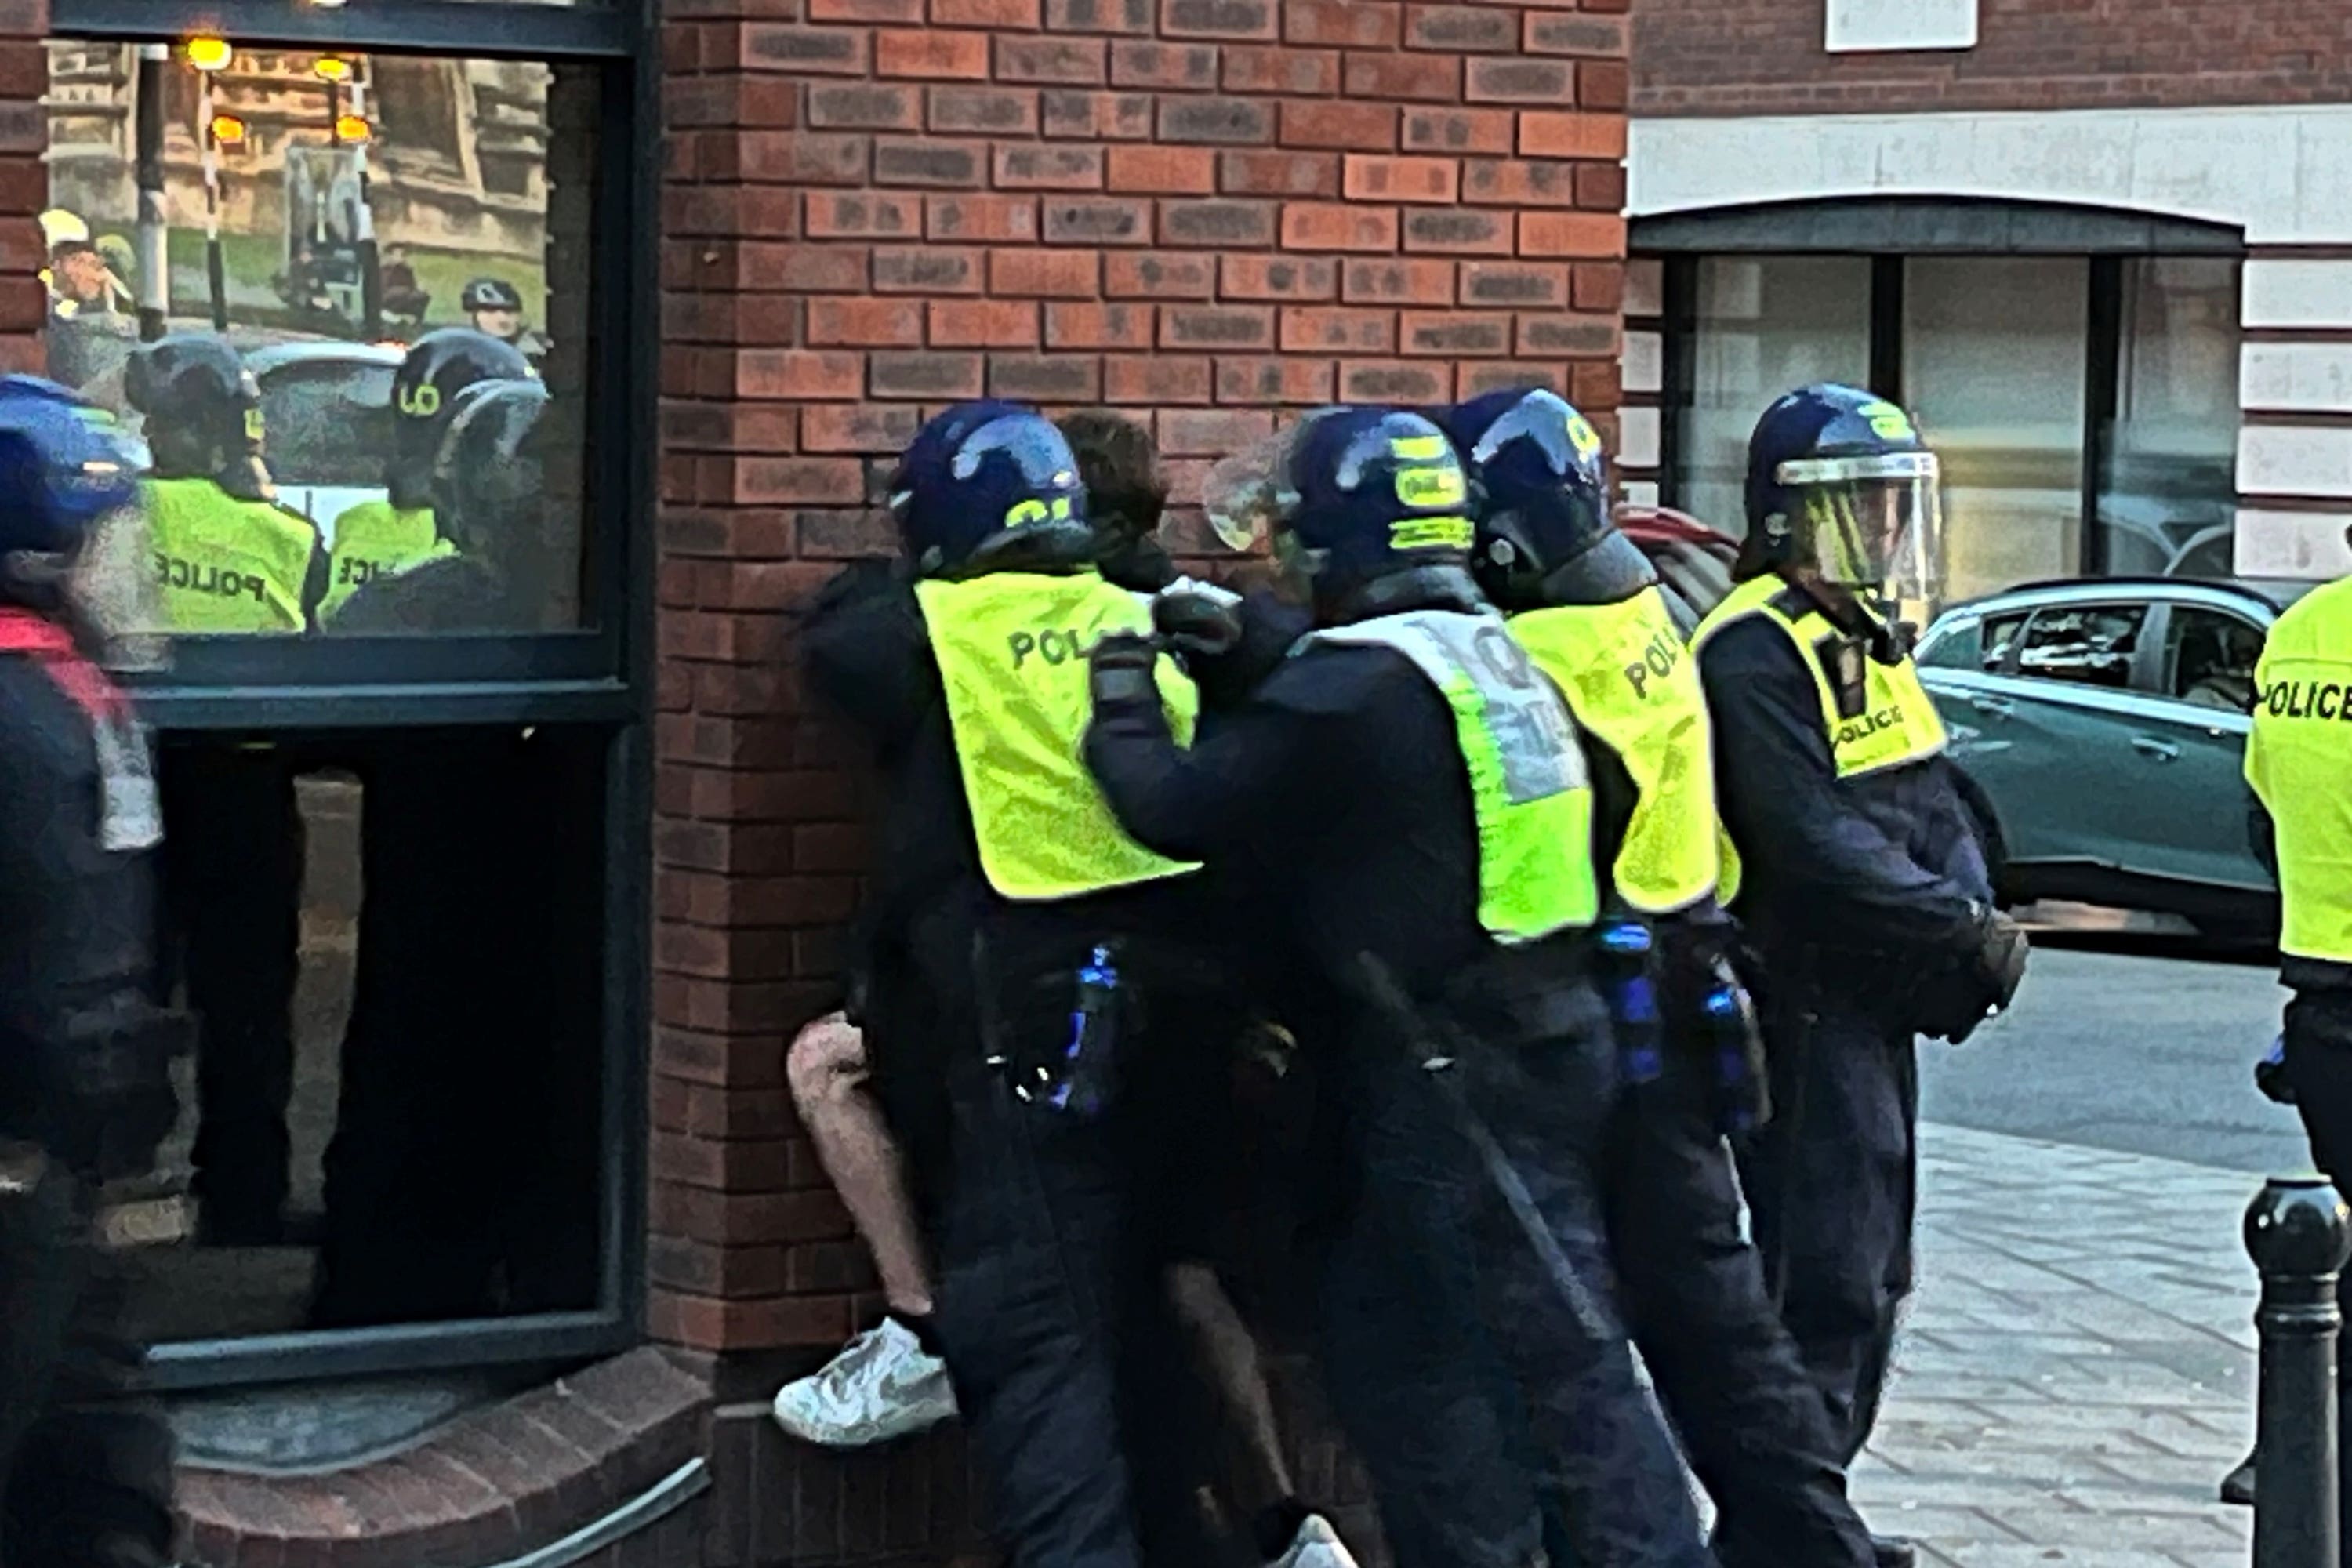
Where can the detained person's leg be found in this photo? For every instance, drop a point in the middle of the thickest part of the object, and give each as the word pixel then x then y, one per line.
pixel 888 1382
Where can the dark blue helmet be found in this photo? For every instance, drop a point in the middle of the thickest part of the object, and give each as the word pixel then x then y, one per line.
pixel 64 466
pixel 1838 478
pixel 1542 484
pixel 987 486
pixel 1371 492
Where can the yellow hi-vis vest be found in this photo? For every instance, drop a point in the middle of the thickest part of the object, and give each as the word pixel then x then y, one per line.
pixel 2299 759
pixel 226 564
pixel 1897 725
pixel 1011 649
pixel 377 539
pixel 1527 777
pixel 1629 680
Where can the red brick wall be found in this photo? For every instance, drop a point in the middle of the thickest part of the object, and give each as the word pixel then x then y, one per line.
pixel 1749 57
pixel 1200 210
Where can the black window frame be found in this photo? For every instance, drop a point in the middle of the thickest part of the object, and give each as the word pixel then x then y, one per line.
pixel 600 676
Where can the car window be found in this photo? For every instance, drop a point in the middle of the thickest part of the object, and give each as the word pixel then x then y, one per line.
pixel 2209 658
pixel 2089 643
pixel 328 423
pixel 1952 646
pixel 2000 634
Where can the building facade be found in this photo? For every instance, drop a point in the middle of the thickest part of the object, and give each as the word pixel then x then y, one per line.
pixel 500 928
pixel 2101 251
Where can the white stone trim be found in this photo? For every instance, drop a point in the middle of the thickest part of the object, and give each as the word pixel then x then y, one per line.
pixel 2297 545
pixel 1851 26
pixel 2296 378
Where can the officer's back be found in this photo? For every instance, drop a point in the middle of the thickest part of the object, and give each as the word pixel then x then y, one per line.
pixel 229 558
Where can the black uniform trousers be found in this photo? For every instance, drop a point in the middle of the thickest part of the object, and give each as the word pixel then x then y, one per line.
pixel 1470 1383
pixel 1752 1423
pixel 2319 1068
pixel 85 1470
pixel 1832 1183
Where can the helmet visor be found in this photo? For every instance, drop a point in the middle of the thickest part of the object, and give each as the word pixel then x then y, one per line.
pixel 1247 494
pixel 1876 523
pixel 1565 439
pixel 115 595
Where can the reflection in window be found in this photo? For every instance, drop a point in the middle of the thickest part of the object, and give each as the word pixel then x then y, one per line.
pixel 2094 646
pixel 2210 658
pixel 2168 499
pixel 1955 647
pixel 1765 324
pixel 2000 638
pixel 366 207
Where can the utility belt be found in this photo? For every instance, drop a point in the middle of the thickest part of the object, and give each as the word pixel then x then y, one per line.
pixel 1681 1012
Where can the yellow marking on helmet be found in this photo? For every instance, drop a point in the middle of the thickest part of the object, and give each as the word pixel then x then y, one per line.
pixel 1430 534
pixel 1888 422
pixel 1023 513
pixel 253 424
pixel 422 401
pixel 1427 488
pixel 1583 437
pixel 1417 448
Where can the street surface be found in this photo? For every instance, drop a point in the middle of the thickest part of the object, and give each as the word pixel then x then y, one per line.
pixel 2076 1372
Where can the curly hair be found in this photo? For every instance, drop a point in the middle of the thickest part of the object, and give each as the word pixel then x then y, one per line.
pixel 1119 466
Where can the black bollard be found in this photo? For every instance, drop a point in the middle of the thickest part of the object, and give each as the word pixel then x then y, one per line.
pixel 2298 1234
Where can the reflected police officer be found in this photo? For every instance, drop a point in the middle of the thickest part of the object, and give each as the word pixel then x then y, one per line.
pixel 2298 760
pixel 85 1058
pixel 1853 862
pixel 231 559
pixel 382 538
pixel 1406 800
pixel 1585 603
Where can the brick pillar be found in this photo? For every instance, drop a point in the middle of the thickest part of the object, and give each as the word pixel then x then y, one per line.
pixel 24 181
pixel 1207 212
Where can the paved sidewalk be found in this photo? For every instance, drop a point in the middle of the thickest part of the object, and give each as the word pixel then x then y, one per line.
pixel 2077 1373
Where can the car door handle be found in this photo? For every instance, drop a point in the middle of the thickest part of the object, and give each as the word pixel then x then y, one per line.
pixel 1999 707
pixel 2149 746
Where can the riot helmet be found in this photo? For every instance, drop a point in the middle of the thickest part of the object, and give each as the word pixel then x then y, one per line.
pixel 73 535
pixel 989 487
pixel 202 411
pixel 425 389
pixel 1540 485
pixel 490 476
pixel 1839 482
pixel 1363 507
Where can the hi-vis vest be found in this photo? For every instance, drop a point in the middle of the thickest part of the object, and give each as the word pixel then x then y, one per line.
pixel 1629 680
pixel 377 539
pixel 2299 759
pixel 1528 776
pixel 226 564
pixel 1896 723
pixel 1011 649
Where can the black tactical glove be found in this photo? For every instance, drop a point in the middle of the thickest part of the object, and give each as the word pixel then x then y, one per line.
pixel 1198 618
pixel 1984 982
pixel 1122 669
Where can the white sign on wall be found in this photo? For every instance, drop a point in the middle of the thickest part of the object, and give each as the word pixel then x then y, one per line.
pixel 1857 25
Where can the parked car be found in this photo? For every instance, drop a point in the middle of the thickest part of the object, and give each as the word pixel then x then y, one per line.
pixel 327 409
pixel 2105 721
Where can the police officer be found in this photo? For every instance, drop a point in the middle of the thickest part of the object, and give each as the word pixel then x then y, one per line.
pixel 1406 800
pixel 1008 903
pixel 383 538
pixel 494 308
pixel 85 1058
pixel 231 558
pixel 488 498
pixel 1584 602
pixel 2297 759
pixel 1854 863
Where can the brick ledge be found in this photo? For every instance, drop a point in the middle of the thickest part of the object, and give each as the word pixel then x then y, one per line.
pixel 493 1485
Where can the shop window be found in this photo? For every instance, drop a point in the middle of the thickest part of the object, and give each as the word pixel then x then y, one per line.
pixel 1763 325
pixel 323 214
pixel 2169 488
pixel 1994 350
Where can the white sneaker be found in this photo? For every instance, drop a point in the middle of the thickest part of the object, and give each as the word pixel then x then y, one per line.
pixel 883 1384
pixel 1316 1545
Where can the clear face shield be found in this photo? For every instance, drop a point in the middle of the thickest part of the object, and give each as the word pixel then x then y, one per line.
pixel 1249 499
pixel 1874 525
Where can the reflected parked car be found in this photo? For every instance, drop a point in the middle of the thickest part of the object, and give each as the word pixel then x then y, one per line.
pixel 2107 721
pixel 327 409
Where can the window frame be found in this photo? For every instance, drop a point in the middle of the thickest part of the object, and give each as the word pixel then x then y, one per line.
pixel 600 678
pixel 2162 676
